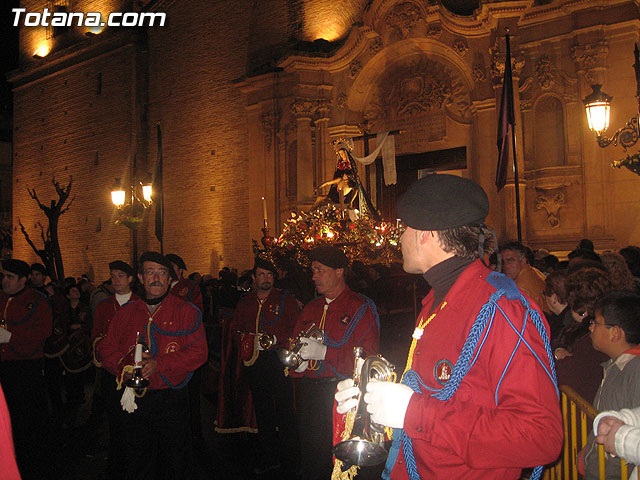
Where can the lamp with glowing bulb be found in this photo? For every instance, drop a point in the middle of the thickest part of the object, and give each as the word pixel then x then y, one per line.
pixel 598 109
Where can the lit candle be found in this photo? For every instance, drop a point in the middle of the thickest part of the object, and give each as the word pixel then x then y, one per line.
pixel 138 355
pixel 264 211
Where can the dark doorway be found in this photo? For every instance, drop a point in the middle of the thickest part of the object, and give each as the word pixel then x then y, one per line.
pixel 407 168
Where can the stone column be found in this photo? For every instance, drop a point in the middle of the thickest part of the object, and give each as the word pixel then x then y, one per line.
pixel 303 111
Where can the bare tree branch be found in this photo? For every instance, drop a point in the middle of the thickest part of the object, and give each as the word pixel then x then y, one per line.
pixel 26 236
pixel 68 205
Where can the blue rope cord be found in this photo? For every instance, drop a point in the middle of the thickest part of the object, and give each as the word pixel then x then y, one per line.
pixel 329 342
pixel 464 363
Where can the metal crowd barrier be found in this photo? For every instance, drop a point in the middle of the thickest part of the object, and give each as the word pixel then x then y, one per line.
pixel 577 419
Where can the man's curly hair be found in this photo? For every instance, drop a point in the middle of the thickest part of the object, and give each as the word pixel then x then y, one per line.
pixel 465 241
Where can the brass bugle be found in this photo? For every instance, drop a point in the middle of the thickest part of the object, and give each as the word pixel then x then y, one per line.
pixel 266 340
pixel 291 358
pixel 366 446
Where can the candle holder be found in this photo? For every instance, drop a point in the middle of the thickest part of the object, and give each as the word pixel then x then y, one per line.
pixel 266 240
pixel 137 381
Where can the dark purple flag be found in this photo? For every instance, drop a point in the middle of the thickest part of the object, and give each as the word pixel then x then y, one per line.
pixel 506 121
pixel 158 191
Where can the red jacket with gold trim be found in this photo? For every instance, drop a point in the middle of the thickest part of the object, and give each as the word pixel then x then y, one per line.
pixel 351 321
pixel 189 291
pixel 174 335
pixel 101 320
pixel 478 433
pixel 28 318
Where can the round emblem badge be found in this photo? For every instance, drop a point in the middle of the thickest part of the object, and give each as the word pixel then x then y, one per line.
pixel 442 371
pixel 172 347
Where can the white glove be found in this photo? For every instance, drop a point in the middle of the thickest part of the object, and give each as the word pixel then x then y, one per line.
pixel 128 400
pixel 303 366
pixel 347 396
pixel 387 402
pixel 5 335
pixel 312 349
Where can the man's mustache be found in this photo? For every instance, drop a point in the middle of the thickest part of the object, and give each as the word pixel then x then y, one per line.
pixel 156 284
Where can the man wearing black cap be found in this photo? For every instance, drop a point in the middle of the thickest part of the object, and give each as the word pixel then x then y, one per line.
pixel 105 395
pixel 157 422
pixel 263 323
pixel 478 398
pixel 348 320
pixel 25 323
pixel 183 287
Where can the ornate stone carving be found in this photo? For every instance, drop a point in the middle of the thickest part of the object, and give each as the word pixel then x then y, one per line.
pixel 478 71
pixel 376 45
pixel 498 62
pixel 354 68
pixel 551 199
pixel 312 109
pixel 403 18
pixel 590 56
pixel 341 101
pixel 270 126
pixel 434 31
pixel 419 87
pixel 545 72
pixel 460 46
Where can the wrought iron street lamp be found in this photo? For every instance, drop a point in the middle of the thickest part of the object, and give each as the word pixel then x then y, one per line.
pixel 598 109
pixel 131 213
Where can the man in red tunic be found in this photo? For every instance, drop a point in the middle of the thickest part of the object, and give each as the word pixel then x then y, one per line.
pixel 478 398
pixel 348 320
pixel 25 323
pixel 269 311
pixel 105 396
pixel 183 287
pixel 156 437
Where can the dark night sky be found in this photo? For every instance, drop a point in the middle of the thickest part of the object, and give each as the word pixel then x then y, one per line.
pixel 9 61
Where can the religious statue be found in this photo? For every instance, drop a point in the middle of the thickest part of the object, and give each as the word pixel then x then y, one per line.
pixel 345 187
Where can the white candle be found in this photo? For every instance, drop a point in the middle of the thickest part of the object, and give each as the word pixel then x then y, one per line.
pixel 264 209
pixel 138 355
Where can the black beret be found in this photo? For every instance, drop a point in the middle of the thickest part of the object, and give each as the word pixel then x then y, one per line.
pixel 120 265
pixel 157 258
pixel 441 202
pixel 38 267
pixel 18 267
pixel 173 258
pixel 330 256
pixel 264 264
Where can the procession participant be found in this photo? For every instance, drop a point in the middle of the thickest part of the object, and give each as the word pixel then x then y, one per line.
pixel 189 291
pixel 105 395
pixel 155 434
pixel 25 323
pixel 528 278
pixel 269 311
pixel 183 287
pixel 37 277
pixel 347 319
pixel 478 398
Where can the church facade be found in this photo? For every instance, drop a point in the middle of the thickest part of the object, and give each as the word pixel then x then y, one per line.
pixel 250 94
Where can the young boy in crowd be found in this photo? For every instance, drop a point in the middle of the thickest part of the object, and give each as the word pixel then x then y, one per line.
pixel 615 331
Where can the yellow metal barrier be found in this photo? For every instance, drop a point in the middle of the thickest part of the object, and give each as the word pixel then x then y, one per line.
pixel 575 407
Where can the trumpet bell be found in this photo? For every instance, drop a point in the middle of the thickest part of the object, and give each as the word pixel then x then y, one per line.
pixel 362 452
pixel 288 358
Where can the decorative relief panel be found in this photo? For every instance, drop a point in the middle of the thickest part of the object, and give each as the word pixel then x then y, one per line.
pixel 354 69
pixel 418 96
pixel 341 101
pixel 479 71
pixel 460 47
pixel 376 45
pixel 545 72
pixel 270 126
pixel 551 199
pixel 403 18
pixel 434 31
pixel 590 56
pixel 498 62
